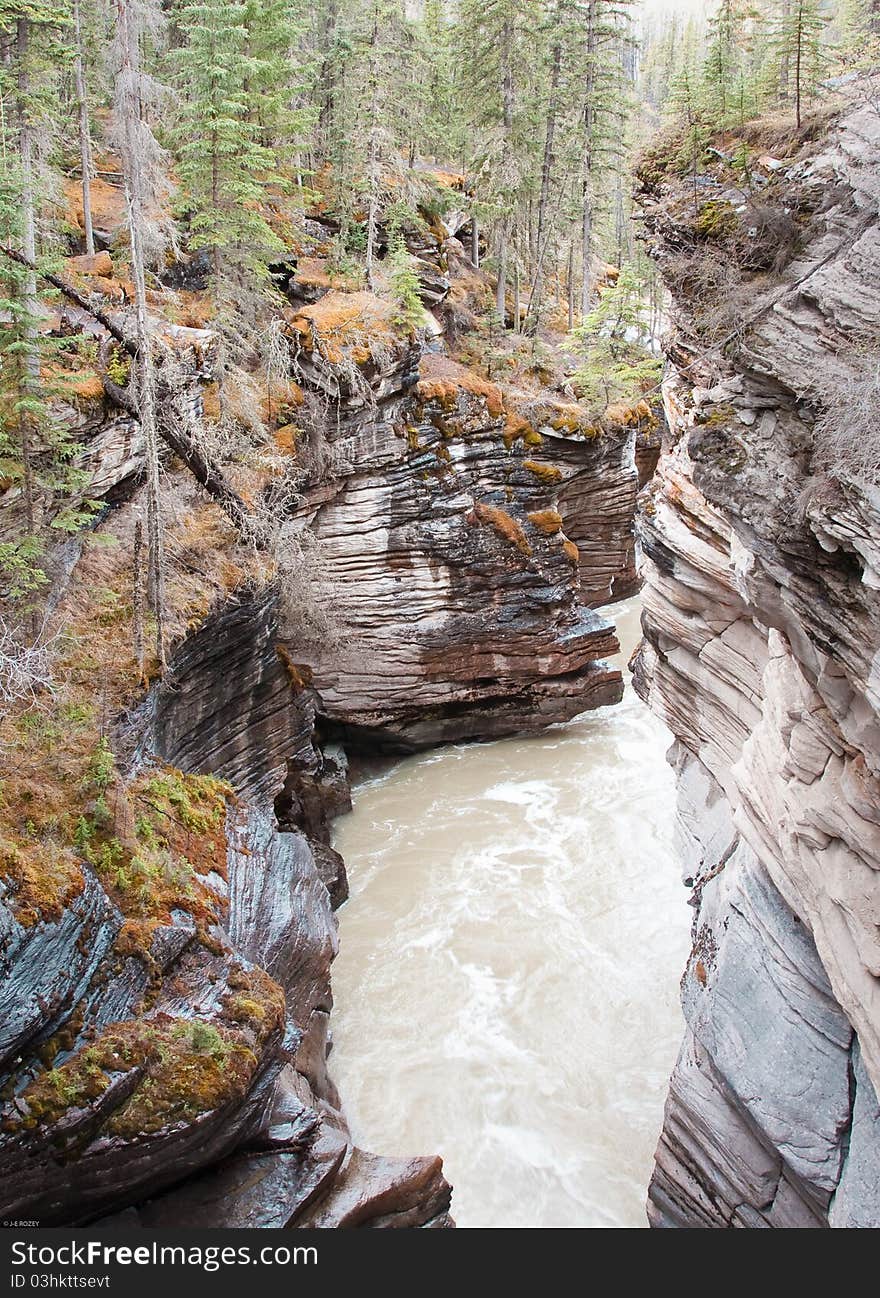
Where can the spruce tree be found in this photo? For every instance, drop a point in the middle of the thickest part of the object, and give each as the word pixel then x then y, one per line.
pixel 222 165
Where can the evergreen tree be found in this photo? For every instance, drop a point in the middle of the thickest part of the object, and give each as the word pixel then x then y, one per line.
pixel 799 48
pixel 32 451
pixel 222 165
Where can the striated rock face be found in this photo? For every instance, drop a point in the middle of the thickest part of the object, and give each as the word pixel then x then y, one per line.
pixel 166 938
pixel 762 629
pixel 463 547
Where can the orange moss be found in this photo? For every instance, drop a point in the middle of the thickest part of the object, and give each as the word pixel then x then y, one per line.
pixel 442 379
pixel 315 272
pixel 516 427
pixel 571 551
pixel 505 526
pixel 548 521
pixel 52 813
pixel 346 326
pixel 100 264
pixel 279 399
pixel 108 202
pixel 299 675
pixel 211 401
pixel 184 1068
pixel 86 386
pixel 621 415
pixel 448 179
pixel 700 972
pixel 42 884
pixel 195 310
pixel 285 439
pixel 546 472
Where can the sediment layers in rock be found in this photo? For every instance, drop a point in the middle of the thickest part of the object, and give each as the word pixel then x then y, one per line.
pixel 762 628
pixel 165 1044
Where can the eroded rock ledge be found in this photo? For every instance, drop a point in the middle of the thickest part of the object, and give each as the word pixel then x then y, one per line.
pixel 166 963
pixel 762 628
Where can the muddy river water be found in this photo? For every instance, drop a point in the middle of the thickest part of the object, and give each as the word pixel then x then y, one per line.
pixel 506 992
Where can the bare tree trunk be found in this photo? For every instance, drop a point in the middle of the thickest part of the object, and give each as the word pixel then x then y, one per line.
pixel 327 76
pixel 128 99
pixel 475 243
pixel 373 147
pixel 501 286
pixel 799 35
pixel 571 286
pixel 587 179
pixel 30 357
pixel 515 291
pixel 138 596
pixel 784 61
pixel 216 259
pixel 542 236
pixel 507 122
pixel 85 143
pixel 174 436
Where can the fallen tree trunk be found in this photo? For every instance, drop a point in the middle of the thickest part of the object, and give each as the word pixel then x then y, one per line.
pixel 177 439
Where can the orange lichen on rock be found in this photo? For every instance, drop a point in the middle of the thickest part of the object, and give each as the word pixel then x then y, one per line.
pixel 442 379
pixel 100 264
pixel 285 439
pixel 211 401
pixel 346 326
pixel 505 526
pixel 571 551
pixel 87 386
pixel 108 203
pixel 548 521
pixel 299 674
pixel 81 384
pixel 448 179
pixel 546 472
pixel 517 428
pixel 624 416
pixel 316 272
pixel 195 310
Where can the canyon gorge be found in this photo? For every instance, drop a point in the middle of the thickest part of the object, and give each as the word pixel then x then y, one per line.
pixel 450 547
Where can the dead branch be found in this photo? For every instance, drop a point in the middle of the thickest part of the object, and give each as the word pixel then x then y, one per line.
pixel 205 473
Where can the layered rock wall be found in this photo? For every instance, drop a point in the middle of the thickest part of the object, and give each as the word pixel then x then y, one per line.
pixel 762 635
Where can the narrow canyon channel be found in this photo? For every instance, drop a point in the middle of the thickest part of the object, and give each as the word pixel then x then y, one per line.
pixel 506 992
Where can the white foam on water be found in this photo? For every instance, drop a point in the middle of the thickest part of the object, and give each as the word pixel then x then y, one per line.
pixel 506 992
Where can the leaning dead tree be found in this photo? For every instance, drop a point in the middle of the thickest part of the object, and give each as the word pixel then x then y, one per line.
pixel 139 150
pixel 177 438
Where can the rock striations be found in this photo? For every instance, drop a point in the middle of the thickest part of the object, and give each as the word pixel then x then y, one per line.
pixel 166 954
pixel 761 654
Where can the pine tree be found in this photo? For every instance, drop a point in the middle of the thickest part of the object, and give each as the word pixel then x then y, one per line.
pixel 222 165
pixel 30 32
pixel 277 76
pixel 85 133
pixel 799 47
pixel 606 25
pixel 723 75
pixel 498 41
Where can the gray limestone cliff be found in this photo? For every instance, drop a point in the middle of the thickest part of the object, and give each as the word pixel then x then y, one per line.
pixel 761 653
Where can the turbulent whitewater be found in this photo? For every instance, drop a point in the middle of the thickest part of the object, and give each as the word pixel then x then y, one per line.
pixel 507 984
